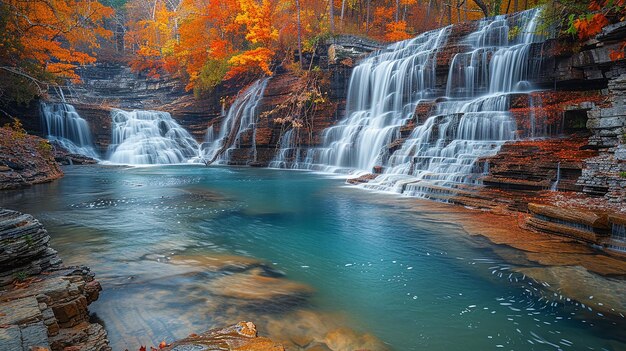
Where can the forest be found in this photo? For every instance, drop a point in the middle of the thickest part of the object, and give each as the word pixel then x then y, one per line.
pixel 206 42
pixel 312 175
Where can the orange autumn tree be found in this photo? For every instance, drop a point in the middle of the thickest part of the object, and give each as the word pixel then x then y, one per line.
pixel 600 13
pixel 208 36
pixel 258 19
pixel 44 41
pixel 204 41
pixel 152 33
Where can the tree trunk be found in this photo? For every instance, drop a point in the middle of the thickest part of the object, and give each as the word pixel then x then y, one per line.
pixel 397 10
pixel 367 18
pixel 332 15
pixel 483 7
pixel 299 34
pixel 515 5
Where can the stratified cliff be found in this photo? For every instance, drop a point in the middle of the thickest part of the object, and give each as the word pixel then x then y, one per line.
pixel 43 304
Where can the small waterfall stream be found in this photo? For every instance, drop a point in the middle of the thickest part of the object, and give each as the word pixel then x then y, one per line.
pixel 241 118
pixel 149 137
pixel 555 185
pixel 63 125
pixel 469 118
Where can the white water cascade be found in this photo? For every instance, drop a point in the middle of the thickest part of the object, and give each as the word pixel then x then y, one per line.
pixel 241 118
pixel 468 119
pixel 149 137
pixel 63 125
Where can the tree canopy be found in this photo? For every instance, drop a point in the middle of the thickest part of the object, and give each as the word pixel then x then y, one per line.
pixel 204 42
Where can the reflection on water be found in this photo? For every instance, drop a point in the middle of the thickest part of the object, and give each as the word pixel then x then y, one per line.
pixel 183 249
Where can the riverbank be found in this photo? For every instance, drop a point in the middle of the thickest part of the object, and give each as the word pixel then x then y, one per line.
pixel 205 249
pixel 25 159
pixel 43 304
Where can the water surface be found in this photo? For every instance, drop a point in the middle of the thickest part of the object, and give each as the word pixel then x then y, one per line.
pixel 414 281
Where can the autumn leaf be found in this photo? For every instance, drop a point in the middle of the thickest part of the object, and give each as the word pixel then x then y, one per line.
pixel 163 345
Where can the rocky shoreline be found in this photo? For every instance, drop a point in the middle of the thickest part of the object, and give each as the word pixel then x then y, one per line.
pixel 42 303
pixel 25 160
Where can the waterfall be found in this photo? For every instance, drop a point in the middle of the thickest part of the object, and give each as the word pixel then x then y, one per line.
pixel 289 155
pixel 64 126
pixel 555 185
pixel 382 95
pixel 149 137
pixel 241 119
pixel 469 120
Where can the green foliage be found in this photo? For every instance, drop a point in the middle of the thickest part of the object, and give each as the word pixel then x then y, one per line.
pixel 45 148
pixel 21 276
pixel 514 33
pixel 559 15
pixel 622 174
pixel 211 74
pixel 312 43
pixel 16 127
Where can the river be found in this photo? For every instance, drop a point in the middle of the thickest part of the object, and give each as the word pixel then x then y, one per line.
pixel 308 259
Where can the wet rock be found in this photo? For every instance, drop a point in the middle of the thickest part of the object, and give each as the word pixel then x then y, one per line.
pixel 583 286
pixel 363 179
pixel 25 160
pixel 45 310
pixel 216 263
pixel 603 174
pixel 310 330
pixel 255 286
pixel 241 336
pixel 344 339
pixel 24 248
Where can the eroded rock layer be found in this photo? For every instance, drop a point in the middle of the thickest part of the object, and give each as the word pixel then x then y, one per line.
pixel 42 304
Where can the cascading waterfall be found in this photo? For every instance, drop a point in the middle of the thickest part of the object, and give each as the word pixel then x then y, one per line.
pixel 240 119
pixel 63 125
pixel 149 137
pixel 382 95
pixel 290 154
pixel 469 120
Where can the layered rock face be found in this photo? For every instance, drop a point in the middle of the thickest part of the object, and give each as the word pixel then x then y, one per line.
pixel 42 304
pixel 605 174
pixel 25 160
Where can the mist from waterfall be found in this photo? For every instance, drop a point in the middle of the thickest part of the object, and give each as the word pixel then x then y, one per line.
pixel 62 125
pixel 148 137
pixel 468 116
pixel 241 119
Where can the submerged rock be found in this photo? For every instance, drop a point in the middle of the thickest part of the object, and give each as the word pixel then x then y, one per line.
pixel 241 336
pixel 218 262
pixel 255 285
pixel 310 330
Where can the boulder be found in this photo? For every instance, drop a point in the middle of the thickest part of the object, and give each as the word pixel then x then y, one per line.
pixel 241 336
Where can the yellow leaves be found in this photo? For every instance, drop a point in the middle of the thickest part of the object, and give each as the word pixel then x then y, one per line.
pixel 257 17
pixel 255 59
